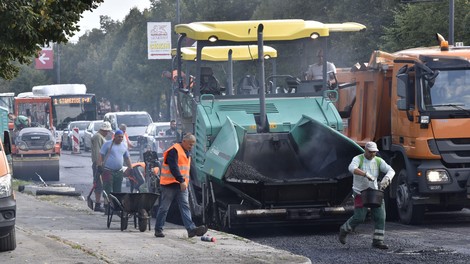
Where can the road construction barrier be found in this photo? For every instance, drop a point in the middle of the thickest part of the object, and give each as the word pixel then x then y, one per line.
pixel 75 141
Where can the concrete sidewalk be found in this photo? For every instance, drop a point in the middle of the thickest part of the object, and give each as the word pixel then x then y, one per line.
pixel 69 222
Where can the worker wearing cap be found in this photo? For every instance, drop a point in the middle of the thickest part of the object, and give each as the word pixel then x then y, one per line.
pixel 113 154
pixel 127 141
pixel 365 169
pixel 97 142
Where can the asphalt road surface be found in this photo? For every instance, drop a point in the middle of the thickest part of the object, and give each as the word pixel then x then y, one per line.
pixel 443 237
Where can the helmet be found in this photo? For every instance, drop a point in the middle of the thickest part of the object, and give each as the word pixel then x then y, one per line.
pixel 106 126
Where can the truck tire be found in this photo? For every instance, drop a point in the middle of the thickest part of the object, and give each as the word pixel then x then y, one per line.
pixel 8 242
pixel 409 213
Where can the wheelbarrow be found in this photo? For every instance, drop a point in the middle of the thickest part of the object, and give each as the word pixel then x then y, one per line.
pixel 136 205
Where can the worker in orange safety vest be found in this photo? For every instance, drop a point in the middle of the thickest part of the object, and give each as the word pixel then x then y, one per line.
pixel 174 180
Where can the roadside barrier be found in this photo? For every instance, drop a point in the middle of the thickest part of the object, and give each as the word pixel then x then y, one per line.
pixel 75 141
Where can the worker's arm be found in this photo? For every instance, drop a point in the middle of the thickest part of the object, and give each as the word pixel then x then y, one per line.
pixel 354 169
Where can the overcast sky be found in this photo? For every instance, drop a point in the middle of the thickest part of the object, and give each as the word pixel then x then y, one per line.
pixel 116 9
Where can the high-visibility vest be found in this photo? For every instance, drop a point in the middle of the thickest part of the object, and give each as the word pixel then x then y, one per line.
pixel 184 164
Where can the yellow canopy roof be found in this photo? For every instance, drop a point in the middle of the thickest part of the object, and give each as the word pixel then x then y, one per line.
pixel 274 30
pixel 220 53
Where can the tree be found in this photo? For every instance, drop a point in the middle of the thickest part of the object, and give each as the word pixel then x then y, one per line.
pixel 25 25
pixel 415 25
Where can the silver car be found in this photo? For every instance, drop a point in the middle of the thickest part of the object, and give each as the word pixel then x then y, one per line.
pixel 155 139
pixel 91 130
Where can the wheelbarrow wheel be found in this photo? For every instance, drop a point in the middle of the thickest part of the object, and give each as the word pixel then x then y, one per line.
pixel 124 220
pixel 109 215
pixel 143 220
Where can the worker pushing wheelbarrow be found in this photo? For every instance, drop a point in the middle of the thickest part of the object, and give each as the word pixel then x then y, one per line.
pixel 112 155
pixel 140 204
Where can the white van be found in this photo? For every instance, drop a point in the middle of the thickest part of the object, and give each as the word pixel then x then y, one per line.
pixel 136 122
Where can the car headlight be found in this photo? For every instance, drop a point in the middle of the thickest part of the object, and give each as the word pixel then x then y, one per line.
pixel 437 176
pixel 22 145
pixel 49 145
pixel 5 186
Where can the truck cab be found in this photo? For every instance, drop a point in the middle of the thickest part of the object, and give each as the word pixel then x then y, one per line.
pixel 415 104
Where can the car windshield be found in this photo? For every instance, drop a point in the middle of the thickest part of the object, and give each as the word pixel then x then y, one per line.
pixel 134 120
pixel 80 125
pixel 161 130
pixel 449 89
pixel 97 126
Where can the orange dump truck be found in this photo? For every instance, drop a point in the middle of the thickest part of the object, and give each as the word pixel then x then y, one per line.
pixel 415 104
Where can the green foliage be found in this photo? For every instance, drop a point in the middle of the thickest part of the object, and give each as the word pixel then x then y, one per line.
pixel 415 25
pixel 112 60
pixel 27 24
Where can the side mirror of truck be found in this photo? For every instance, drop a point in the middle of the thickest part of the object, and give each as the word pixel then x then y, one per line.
pixel 331 95
pixel 402 83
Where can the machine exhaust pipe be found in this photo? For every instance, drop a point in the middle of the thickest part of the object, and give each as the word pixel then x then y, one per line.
pixel 262 127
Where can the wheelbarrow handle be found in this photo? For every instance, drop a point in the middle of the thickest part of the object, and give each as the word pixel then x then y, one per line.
pixel 116 200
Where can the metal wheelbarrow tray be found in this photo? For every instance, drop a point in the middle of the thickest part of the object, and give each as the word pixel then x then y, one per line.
pixel 125 205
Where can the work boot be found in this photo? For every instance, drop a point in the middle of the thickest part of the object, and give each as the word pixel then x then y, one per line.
pixel 98 208
pixel 379 244
pixel 342 236
pixel 198 231
pixel 159 233
pixel 201 230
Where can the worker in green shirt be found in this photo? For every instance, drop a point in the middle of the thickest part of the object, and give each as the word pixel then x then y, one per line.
pixel 19 121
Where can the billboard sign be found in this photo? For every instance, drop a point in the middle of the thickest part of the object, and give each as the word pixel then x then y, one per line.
pixel 159 40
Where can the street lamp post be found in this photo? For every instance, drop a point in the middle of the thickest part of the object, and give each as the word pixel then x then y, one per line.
pixel 451 22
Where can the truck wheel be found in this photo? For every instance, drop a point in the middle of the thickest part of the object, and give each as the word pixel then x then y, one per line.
pixel 8 242
pixel 408 212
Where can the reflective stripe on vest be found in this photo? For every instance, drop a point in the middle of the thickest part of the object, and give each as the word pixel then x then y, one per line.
pixel 183 164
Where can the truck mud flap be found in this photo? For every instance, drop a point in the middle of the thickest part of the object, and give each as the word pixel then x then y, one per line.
pixel 26 169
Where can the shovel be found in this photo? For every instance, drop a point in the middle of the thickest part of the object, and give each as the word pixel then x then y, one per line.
pixel 88 198
pixel 89 201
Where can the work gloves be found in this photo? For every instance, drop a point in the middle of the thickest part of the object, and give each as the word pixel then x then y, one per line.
pixel 369 176
pixel 384 183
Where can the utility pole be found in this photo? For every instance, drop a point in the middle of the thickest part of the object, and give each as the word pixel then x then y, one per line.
pixel 58 63
pixel 451 22
pixel 177 12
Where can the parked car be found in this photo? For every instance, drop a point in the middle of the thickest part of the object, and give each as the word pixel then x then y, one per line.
pixel 90 131
pixel 136 122
pixel 67 134
pixel 154 139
